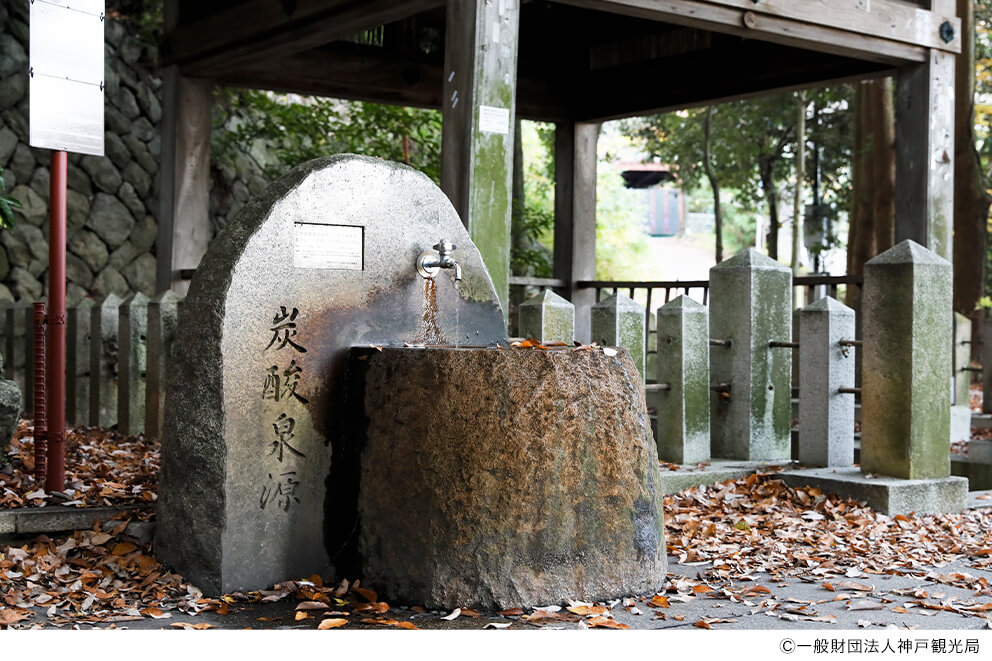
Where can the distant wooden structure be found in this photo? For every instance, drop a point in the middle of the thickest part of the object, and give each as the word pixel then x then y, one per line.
pixel 572 62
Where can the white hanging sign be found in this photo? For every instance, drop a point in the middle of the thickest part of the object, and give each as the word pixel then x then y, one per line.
pixel 494 120
pixel 66 75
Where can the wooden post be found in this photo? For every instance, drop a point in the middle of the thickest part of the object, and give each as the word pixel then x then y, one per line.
pixel 480 63
pixel 184 222
pixel 575 217
pixel 925 148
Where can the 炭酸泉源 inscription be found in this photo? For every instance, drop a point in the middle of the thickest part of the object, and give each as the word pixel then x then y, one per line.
pixel 319 246
pixel 279 385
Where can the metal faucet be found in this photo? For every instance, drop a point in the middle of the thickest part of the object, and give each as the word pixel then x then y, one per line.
pixel 431 262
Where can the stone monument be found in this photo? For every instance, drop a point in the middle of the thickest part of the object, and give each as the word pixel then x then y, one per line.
pixel 325 260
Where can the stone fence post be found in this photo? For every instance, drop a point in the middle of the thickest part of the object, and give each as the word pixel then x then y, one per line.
pixel 547 317
pixel 683 382
pixel 104 348
pixel 986 362
pixel 750 318
pixel 163 316
pixel 906 425
pixel 25 310
pixel 77 362
pixel 960 405
pixel 826 413
pixel 133 338
pixel 7 324
pixel 618 321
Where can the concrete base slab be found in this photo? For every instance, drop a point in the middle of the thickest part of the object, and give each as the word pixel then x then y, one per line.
pixel 979 500
pixel 976 465
pixel 48 520
pixel 981 420
pixel 718 470
pixel 888 495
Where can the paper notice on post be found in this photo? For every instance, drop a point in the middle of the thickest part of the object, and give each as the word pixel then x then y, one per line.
pixel 318 246
pixel 494 120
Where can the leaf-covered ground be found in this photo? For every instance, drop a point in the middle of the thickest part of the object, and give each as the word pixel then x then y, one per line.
pixel 103 468
pixel 738 542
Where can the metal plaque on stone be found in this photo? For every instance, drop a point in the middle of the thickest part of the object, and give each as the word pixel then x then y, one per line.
pixel 319 246
pixel 66 76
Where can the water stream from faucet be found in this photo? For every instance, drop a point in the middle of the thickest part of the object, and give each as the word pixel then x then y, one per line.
pixel 430 331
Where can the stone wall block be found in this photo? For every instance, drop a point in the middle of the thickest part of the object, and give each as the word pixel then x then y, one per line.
pixel 22 162
pixel 78 272
pixel 116 150
pixel 110 219
pixel 547 317
pixel 906 399
pixel 110 281
pixel 102 172
pixel 140 274
pixel 88 247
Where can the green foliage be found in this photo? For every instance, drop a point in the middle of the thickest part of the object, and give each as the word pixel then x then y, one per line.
pixel 278 132
pixel 7 206
pixel 620 239
pixel 538 219
pixel 743 135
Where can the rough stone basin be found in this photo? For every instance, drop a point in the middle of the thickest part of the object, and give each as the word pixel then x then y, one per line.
pixel 502 478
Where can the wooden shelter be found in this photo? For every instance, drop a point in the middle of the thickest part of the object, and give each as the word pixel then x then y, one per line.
pixel 572 62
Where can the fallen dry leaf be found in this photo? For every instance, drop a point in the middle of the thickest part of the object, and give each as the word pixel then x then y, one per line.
pixel 311 606
pixel 332 623
pixel 605 623
pixel 659 601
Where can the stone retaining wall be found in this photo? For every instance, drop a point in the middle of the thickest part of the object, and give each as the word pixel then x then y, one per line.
pixel 112 200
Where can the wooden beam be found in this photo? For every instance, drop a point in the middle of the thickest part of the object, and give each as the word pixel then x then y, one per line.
pixel 365 73
pixel 184 179
pixel 256 30
pixel 478 105
pixel 925 154
pixel 887 19
pixel 841 35
pixel 575 217
pixel 751 69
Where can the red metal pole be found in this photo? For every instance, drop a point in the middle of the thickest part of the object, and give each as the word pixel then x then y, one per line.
pixel 56 322
pixel 40 422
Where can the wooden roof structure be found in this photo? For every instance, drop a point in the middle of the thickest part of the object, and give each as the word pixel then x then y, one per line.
pixel 572 62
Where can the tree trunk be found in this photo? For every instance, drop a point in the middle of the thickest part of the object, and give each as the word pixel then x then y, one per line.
pixel 765 164
pixel 797 200
pixel 860 240
pixel 714 185
pixel 882 109
pixel 971 202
